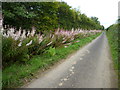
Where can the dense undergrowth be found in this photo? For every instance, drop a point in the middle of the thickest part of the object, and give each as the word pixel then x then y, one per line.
pixel 112 34
pixel 17 74
pixel 114 41
pixel 22 46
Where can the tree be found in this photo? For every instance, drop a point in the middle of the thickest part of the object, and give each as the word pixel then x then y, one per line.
pixel 46 16
pixel 42 15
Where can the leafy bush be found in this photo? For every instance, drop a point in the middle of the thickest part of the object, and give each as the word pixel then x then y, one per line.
pixel 11 52
pixel 20 47
pixel 46 16
pixel 51 51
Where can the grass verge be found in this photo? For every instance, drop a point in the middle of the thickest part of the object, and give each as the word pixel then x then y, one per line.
pixel 113 42
pixel 112 35
pixel 17 74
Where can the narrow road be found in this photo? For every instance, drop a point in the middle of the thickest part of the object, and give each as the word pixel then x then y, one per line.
pixel 89 67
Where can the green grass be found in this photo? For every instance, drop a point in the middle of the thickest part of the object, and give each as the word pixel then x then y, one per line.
pixel 112 35
pixel 15 75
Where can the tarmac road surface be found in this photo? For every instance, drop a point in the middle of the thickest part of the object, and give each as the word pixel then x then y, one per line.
pixel 89 67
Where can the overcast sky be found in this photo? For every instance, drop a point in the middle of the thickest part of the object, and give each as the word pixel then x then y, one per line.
pixel 105 10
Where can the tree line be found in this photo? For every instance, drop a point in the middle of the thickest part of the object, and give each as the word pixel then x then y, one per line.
pixel 46 16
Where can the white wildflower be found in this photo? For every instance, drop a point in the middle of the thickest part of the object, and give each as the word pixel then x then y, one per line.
pixel 40 39
pixel 29 43
pixel 49 43
pixel 28 33
pixel 33 31
pixel 17 35
pixel 77 41
pixel 12 30
pixel 65 46
pixel 23 35
pixel 4 34
pixel 2 29
pixel 52 36
pixel 20 44
pixel 19 32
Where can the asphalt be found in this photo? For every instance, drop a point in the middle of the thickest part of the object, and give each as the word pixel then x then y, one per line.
pixel 89 67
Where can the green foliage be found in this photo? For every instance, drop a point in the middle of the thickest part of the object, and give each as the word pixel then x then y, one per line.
pixel 112 34
pixel 11 52
pixel 16 74
pixel 46 16
pixel 42 15
pixel 51 51
pixel 71 18
pixel 114 41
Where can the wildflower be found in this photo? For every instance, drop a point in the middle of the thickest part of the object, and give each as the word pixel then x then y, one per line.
pixel 52 36
pixel 65 46
pixel 17 35
pixel 64 41
pixel 29 43
pixel 33 31
pixel 77 41
pixel 28 33
pixel 23 35
pixel 12 30
pixel 40 38
pixel 4 34
pixel 68 43
pixel 72 38
pixel 20 44
pixel 49 43
pixel 19 32
pixel 2 29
